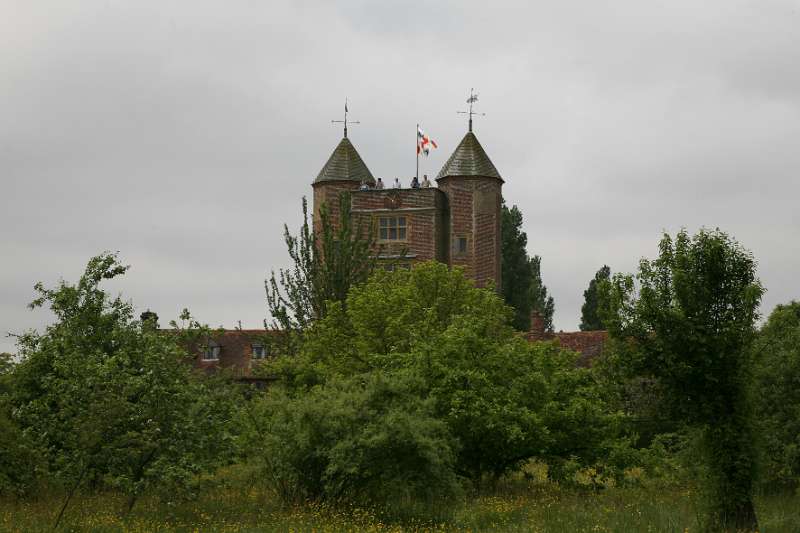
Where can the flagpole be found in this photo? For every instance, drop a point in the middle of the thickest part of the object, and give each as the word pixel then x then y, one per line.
pixel 416 136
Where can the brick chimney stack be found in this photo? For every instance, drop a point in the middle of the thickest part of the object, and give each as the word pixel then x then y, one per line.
pixel 149 319
pixel 537 332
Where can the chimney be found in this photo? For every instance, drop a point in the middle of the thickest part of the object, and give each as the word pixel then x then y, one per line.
pixel 149 319
pixel 537 332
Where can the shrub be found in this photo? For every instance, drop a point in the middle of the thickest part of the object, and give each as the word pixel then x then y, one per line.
pixel 19 460
pixel 367 438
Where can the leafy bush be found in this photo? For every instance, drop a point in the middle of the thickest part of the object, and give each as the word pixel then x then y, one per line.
pixel 777 394
pixel 367 438
pixel 19 459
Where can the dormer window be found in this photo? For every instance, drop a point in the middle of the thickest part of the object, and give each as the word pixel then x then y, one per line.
pixel 210 352
pixel 259 351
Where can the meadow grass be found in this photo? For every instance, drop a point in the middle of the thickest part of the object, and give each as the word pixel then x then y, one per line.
pixel 529 507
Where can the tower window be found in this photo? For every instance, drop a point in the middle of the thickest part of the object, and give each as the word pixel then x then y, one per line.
pixel 210 352
pixel 392 228
pixel 461 245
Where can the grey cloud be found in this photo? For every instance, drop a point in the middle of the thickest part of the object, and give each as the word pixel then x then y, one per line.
pixel 183 134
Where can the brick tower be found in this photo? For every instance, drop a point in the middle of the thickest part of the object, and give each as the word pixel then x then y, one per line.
pixel 474 190
pixel 344 171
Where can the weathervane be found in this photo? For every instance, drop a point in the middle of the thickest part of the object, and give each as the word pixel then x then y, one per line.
pixel 473 97
pixel 345 122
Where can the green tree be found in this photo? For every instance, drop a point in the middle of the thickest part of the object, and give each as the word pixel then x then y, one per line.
pixel 540 300
pixel 326 262
pixel 111 402
pixel 6 363
pixel 692 320
pixel 19 459
pixel 504 400
pixel 777 395
pixel 590 320
pixel 522 286
pixel 515 270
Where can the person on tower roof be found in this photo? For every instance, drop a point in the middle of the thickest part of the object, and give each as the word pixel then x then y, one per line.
pixel 425 181
pixel 379 185
pixel 397 183
pixel 415 183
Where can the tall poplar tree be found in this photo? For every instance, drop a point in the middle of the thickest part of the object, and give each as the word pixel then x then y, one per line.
pixel 590 320
pixel 522 286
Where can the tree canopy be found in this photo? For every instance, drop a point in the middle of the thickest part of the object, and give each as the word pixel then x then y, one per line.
pixel 691 314
pixel 110 402
pixel 777 394
pixel 503 399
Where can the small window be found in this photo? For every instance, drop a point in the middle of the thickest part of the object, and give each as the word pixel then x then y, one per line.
pixel 461 245
pixel 259 351
pixel 210 352
pixel 392 228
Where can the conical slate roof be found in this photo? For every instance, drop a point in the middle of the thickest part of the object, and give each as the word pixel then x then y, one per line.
pixel 345 164
pixel 469 159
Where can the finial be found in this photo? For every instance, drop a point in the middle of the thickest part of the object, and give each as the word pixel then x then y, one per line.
pixel 473 97
pixel 345 122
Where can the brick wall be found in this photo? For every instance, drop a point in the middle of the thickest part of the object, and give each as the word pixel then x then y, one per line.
pixel 236 353
pixel 425 213
pixel 235 350
pixel 327 193
pixel 475 214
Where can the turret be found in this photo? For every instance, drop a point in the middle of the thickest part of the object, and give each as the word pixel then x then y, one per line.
pixel 344 171
pixel 474 190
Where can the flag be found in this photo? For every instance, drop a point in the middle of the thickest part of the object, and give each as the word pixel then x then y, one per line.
pixel 424 143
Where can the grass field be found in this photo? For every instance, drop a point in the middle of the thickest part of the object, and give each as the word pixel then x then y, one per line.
pixel 522 507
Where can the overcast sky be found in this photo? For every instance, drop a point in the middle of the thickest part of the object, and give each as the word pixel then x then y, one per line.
pixel 184 134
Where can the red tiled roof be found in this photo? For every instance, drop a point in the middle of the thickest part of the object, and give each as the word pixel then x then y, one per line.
pixel 236 347
pixel 236 350
pixel 587 343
